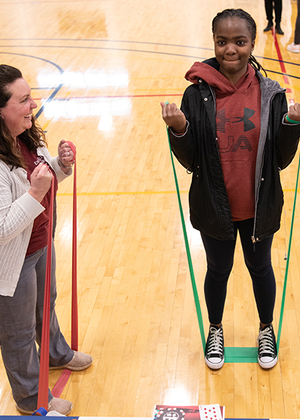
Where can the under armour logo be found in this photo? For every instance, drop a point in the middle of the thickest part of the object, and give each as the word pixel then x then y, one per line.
pixel 233 145
pixel 223 120
pixel 248 125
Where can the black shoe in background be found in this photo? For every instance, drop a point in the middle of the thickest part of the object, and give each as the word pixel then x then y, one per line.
pixel 278 29
pixel 269 27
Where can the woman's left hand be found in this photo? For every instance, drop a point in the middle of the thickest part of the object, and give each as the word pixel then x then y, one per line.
pixel 65 154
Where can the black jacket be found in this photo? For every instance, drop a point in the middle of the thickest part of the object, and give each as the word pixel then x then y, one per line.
pixel 197 150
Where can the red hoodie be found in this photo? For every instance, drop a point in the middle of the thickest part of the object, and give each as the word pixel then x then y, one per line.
pixel 238 128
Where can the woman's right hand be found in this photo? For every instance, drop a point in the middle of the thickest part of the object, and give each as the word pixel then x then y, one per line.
pixel 173 117
pixel 40 180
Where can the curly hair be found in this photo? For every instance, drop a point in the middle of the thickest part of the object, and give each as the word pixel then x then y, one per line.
pixel 33 137
pixel 250 22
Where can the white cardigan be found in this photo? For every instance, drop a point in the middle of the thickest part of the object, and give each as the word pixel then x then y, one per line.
pixel 18 209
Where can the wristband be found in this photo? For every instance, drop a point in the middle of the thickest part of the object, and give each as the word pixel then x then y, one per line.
pixel 62 165
pixel 291 121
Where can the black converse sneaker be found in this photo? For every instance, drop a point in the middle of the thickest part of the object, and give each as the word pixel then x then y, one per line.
pixel 214 350
pixel 267 350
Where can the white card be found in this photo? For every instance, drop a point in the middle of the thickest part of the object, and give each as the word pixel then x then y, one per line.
pixel 210 412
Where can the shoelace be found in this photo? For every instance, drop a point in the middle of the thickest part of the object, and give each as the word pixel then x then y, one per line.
pixel 266 341
pixel 215 343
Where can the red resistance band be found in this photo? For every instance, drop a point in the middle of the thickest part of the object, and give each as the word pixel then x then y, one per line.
pixel 44 357
pixel 73 148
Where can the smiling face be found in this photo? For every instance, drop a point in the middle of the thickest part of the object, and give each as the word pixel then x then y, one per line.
pixel 233 46
pixel 17 112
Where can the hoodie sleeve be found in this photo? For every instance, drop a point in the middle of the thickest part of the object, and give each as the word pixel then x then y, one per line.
pixel 287 139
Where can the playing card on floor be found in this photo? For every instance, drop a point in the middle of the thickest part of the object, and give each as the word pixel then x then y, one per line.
pixel 210 412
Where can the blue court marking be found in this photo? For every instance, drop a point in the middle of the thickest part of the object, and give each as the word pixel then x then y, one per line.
pixel 136 42
pixel 144 52
pixel 33 56
pixel 104 48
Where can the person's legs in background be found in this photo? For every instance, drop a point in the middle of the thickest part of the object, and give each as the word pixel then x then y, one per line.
pixel 295 46
pixel 277 5
pixel 297 25
pixel 278 14
pixel 269 15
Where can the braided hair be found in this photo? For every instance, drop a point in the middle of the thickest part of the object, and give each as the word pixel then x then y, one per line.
pixel 250 22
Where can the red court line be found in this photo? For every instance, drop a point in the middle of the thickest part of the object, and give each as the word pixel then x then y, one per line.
pixel 281 63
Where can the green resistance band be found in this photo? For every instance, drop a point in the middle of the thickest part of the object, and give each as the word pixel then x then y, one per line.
pixel 288 260
pixel 188 252
pixel 231 354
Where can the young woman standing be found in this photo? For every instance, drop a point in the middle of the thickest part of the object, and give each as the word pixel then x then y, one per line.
pixel 234 132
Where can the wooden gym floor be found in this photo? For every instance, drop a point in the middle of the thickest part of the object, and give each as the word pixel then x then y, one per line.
pixel 98 70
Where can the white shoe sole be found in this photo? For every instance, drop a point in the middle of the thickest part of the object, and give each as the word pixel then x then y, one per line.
pixel 214 366
pixel 267 365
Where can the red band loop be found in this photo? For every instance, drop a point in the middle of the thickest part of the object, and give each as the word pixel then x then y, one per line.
pixel 73 148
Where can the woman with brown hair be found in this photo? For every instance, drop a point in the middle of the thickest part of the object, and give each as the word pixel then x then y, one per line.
pixel 27 172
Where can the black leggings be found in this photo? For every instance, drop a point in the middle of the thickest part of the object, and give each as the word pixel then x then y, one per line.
pixel 269 10
pixel 219 256
pixel 297 25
